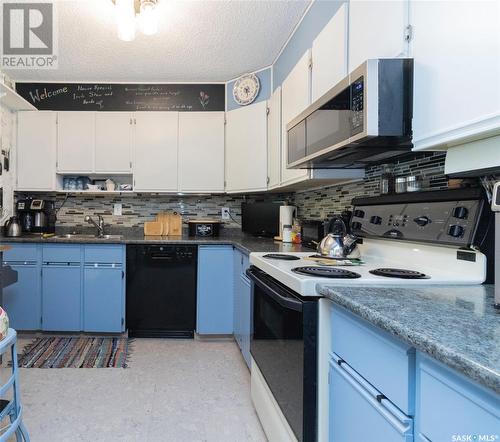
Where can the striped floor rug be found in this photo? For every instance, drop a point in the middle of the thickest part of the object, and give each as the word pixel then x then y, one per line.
pixel 76 352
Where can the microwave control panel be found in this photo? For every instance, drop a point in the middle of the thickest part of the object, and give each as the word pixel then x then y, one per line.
pixel 357 106
pixel 450 222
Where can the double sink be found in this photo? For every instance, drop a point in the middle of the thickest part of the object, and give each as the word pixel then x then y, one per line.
pixel 82 236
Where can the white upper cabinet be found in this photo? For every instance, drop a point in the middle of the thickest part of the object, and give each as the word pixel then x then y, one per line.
pixel 274 140
pixel 36 150
pixel 295 97
pixel 377 30
pixel 201 151
pixel 75 142
pixel 155 151
pixel 246 148
pixel 329 54
pixel 456 48
pixel 113 134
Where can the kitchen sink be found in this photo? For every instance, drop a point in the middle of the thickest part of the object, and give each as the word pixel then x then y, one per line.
pixel 77 236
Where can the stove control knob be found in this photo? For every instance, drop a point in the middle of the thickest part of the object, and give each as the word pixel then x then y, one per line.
pixel 460 212
pixel 356 225
pixel 456 231
pixel 359 213
pixel 376 220
pixel 422 221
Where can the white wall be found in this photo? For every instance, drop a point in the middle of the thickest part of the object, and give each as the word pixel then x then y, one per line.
pixel 7 179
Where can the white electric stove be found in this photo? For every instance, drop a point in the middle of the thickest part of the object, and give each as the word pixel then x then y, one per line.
pixel 410 243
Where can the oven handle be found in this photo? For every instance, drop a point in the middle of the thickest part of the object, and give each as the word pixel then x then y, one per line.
pixel 291 304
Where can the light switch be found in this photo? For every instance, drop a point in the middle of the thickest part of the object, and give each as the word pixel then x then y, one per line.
pixel 117 209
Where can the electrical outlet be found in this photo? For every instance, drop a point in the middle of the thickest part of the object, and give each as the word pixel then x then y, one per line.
pixel 117 209
pixel 225 213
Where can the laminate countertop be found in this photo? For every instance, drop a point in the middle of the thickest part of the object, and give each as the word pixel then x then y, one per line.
pixel 456 325
pixel 243 242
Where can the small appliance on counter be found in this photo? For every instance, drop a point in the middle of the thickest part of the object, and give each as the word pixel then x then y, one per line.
pixel 12 227
pixel 260 219
pixel 313 231
pixel 204 227
pixel 495 206
pixel 36 215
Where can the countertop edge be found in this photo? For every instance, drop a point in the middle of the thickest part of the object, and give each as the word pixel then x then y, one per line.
pixel 421 342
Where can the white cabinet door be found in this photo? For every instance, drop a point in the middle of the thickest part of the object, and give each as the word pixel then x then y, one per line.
pixel 246 148
pixel 155 151
pixel 201 151
pixel 456 50
pixel 377 30
pixel 36 150
pixel 295 97
pixel 75 142
pixel 329 54
pixel 113 142
pixel 274 140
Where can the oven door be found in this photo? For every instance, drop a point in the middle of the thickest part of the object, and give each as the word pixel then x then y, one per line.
pixel 283 346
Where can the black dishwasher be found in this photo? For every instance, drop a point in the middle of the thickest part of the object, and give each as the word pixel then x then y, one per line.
pixel 161 291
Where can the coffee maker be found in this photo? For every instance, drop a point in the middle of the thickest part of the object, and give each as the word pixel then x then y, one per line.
pixel 36 215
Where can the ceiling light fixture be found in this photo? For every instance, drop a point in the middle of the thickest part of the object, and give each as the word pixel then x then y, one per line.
pixel 129 13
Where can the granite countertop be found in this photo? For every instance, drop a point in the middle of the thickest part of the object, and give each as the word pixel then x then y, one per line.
pixel 231 236
pixel 456 325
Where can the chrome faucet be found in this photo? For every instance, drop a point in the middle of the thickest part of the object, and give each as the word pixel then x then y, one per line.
pixel 99 225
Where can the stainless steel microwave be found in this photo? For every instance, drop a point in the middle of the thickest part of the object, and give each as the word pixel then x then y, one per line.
pixel 365 118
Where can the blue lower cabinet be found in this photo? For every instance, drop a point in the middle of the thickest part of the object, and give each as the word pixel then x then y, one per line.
pixel 246 317
pixel 215 290
pixel 359 412
pixel 237 297
pixel 61 297
pixel 23 300
pixel 452 407
pixel 103 298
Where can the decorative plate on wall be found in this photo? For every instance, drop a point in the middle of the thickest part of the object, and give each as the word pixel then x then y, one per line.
pixel 245 89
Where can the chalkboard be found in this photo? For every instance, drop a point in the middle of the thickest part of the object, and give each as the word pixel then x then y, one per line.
pixel 124 97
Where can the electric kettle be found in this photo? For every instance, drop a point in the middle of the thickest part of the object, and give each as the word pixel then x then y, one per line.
pixel 13 227
pixel 338 244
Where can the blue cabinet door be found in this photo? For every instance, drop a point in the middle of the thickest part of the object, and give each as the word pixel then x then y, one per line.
pixel 103 299
pixel 61 297
pixel 359 412
pixel 23 300
pixel 246 317
pixel 215 290
pixel 237 266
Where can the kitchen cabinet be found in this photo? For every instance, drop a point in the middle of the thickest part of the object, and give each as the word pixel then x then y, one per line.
pixel 36 150
pixel 450 404
pixel 104 289
pixel 23 300
pixel 242 305
pixel 367 19
pixel 456 50
pixel 113 142
pixel 329 54
pixel 274 140
pixel 215 290
pixel 75 142
pixel 201 151
pixel 155 151
pixel 295 97
pixel 246 148
pixel 61 287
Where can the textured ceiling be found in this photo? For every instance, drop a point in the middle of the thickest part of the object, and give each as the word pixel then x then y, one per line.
pixel 197 41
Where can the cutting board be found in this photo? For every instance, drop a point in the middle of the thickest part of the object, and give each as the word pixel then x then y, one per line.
pixel 153 228
pixel 175 224
pixel 164 219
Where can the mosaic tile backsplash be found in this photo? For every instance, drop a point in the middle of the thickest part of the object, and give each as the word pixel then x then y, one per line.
pixel 312 204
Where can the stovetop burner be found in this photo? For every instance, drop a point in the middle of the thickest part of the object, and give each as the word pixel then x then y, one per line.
pixel 399 273
pixel 326 272
pixel 281 256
